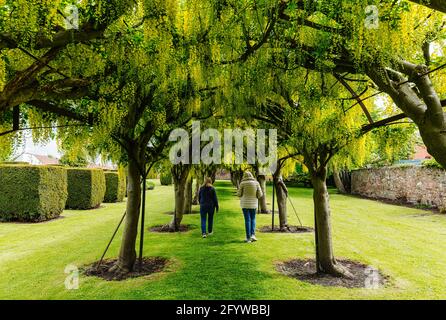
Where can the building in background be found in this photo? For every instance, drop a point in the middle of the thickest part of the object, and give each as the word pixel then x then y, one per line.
pixel 417 158
pixel 36 159
pixel 421 153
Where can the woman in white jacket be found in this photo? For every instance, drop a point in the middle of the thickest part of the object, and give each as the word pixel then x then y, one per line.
pixel 249 192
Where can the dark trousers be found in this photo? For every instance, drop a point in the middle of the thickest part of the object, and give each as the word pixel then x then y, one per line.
pixel 250 222
pixel 207 212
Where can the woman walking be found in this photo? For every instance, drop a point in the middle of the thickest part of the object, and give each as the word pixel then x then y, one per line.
pixel 207 197
pixel 249 192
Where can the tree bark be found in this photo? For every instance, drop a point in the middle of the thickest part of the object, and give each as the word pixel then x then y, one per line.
pixel 238 177
pixel 212 173
pixel 346 178
pixel 421 104
pixel 338 182
pixel 127 254
pixel 281 202
pixel 326 263
pixel 180 173
pixel 262 201
pixel 198 182
pixel 188 195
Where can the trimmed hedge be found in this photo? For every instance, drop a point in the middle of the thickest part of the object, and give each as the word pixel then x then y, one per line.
pixel 150 185
pixel 166 179
pixel 32 193
pixel 86 188
pixel 14 162
pixel 115 187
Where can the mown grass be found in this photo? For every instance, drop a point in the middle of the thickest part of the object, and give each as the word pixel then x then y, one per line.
pixel 409 245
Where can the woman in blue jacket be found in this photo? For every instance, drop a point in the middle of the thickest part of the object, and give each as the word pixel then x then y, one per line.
pixel 208 204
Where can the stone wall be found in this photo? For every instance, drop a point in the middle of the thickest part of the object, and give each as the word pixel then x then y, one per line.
pixel 414 185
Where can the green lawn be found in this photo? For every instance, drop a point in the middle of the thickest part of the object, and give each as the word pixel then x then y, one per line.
pixel 407 244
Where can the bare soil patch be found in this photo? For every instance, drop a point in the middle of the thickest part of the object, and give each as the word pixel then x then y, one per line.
pixel 290 229
pixel 165 228
pixel 149 266
pixel 364 276
pixel 194 211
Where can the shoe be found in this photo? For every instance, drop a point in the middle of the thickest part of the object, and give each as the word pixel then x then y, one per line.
pixel 204 235
pixel 248 241
pixel 210 233
pixel 253 238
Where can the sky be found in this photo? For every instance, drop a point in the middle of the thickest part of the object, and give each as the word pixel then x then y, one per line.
pixel 40 149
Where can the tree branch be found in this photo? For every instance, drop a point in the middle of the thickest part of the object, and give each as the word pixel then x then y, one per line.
pixel 353 93
pixel 59 39
pixel 438 5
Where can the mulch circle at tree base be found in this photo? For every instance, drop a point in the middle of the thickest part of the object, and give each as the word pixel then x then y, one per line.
pixel 364 276
pixel 166 228
pixel 170 213
pixel 149 266
pixel 289 229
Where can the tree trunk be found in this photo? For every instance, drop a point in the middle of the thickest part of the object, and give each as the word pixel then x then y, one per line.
pixel 233 180
pixel 127 254
pixel 326 263
pixel 338 182
pixel 198 183
pixel 422 104
pixel 236 177
pixel 179 206
pixel 281 203
pixel 346 178
pixel 188 195
pixel 262 201
pixel 180 173
pixel 212 173
pixel 434 137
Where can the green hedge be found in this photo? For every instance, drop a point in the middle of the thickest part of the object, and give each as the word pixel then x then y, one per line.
pixel 32 193
pixel 115 187
pixel 14 162
pixel 432 163
pixel 166 179
pixel 86 188
pixel 150 185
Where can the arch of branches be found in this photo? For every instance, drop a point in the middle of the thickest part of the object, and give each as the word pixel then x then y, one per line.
pixel 135 70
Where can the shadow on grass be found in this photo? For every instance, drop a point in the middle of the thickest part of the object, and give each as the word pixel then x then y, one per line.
pixel 219 267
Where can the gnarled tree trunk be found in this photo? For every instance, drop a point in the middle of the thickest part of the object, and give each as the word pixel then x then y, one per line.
pixel 281 201
pixel 421 103
pixel 346 178
pixel 263 208
pixel 338 182
pixel 188 195
pixel 127 254
pixel 236 177
pixel 198 182
pixel 180 172
pixel 212 173
pixel 326 263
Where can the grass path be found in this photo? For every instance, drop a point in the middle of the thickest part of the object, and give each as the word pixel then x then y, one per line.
pixel 407 244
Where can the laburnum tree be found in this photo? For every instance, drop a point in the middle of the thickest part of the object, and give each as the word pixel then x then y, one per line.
pixel 312 112
pixel 134 70
pixel 345 38
pixel 138 80
pixel 157 86
pixel 45 58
